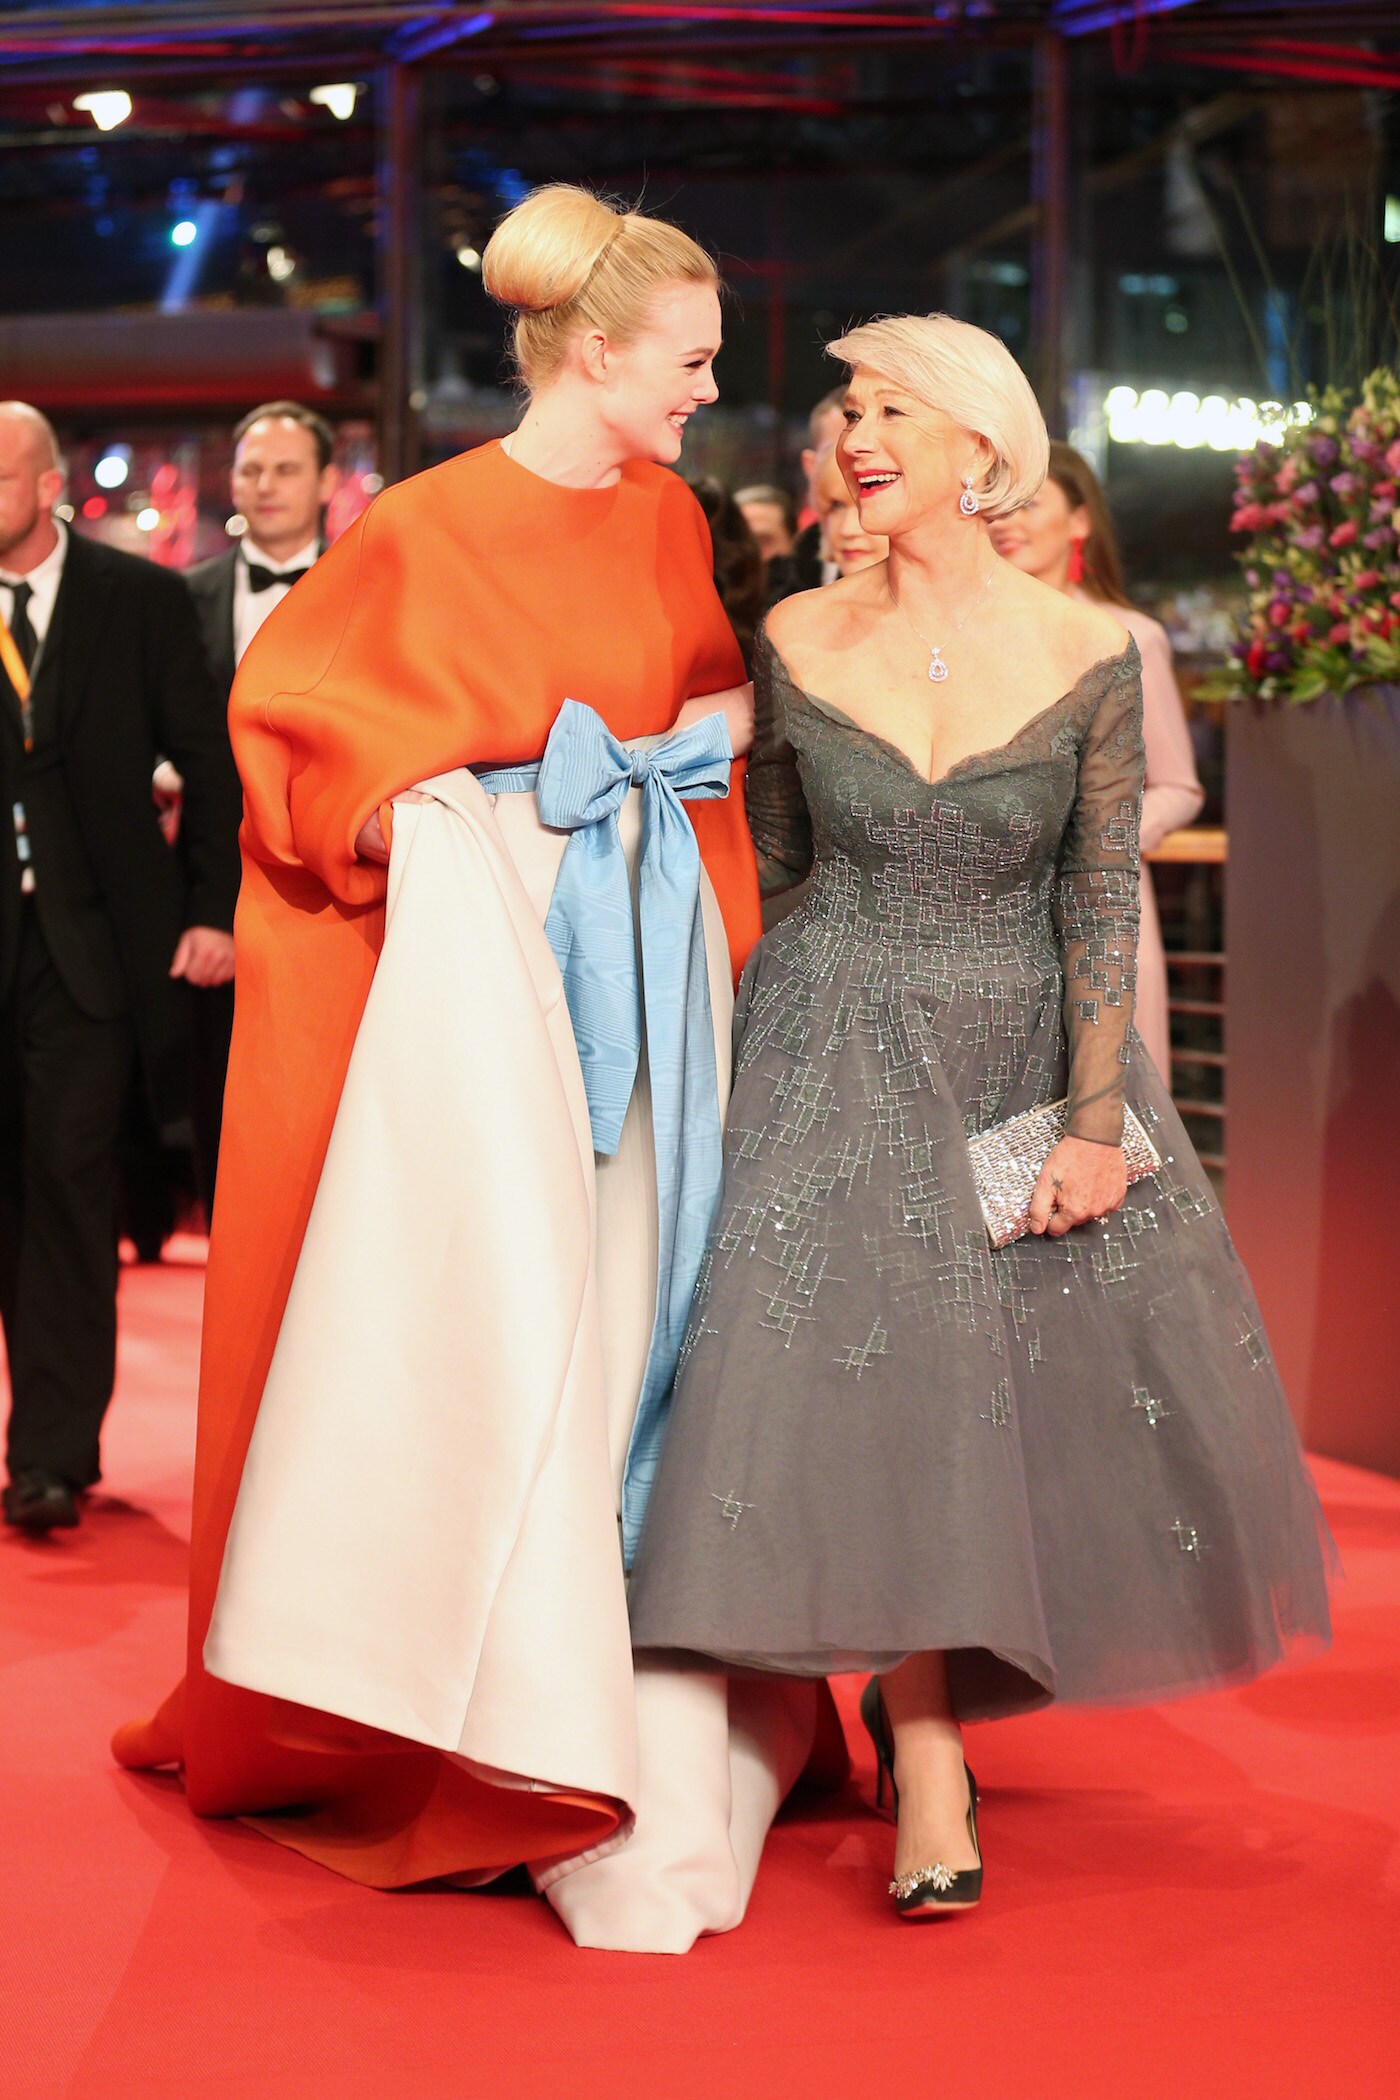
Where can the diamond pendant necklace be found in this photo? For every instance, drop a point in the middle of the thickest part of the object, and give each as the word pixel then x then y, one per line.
pixel 937 669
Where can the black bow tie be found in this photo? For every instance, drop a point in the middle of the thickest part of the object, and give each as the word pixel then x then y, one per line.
pixel 261 579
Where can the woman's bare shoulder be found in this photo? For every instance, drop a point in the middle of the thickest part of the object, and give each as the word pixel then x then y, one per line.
pixel 823 618
pixel 1071 634
pixel 1098 631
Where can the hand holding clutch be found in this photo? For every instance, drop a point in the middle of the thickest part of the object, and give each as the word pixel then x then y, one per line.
pixel 1017 1164
pixel 1079 1181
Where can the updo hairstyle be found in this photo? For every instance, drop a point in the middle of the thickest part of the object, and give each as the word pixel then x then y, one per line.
pixel 973 378
pixel 569 262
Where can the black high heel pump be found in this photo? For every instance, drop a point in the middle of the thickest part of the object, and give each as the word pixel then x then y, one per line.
pixel 929 1892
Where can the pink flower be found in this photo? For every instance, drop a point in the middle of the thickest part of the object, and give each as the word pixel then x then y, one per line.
pixel 1287 475
pixel 1248 518
pixel 1279 612
pixel 1341 632
pixel 1392 457
pixel 1367 580
pixel 1305 495
pixel 1344 534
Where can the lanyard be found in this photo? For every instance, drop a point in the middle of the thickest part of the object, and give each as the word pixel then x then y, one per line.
pixel 19 679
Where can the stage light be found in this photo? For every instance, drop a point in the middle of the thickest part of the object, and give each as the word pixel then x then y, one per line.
pixel 236 526
pixel 113 467
pixel 469 257
pixel 1186 421
pixel 147 519
pixel 1392 219
pixel 95 507
pixel 339 98
pixel 185 234
pixel 281 264
pixel 107 107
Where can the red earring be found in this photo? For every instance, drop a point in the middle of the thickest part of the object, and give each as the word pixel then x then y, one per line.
pixel 1076 561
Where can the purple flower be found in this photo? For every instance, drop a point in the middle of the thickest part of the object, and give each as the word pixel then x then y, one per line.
pixel 1366 450
pixel 1381 537
pixel 1323 450
pixel 1310 536
pixel 1239 649
pixel 1278 660
pixel 1344 484
pixel 1251 577
pixel 1307 492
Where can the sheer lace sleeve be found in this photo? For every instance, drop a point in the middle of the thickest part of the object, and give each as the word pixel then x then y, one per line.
pixel 777 807
pixel 1098 902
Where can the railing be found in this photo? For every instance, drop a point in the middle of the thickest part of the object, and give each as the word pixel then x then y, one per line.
pixel 1191 904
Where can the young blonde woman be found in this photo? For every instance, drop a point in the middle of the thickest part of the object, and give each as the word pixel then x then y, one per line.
pixel 1065 537
pixel 472 1146
pixel 1060 1468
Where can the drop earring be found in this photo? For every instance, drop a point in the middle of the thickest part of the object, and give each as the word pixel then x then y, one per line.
pixel 967 502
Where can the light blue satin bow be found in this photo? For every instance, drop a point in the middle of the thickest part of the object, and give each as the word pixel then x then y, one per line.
pixel 579 786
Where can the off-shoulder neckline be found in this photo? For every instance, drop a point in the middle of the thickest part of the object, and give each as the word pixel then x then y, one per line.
pixel 1120 660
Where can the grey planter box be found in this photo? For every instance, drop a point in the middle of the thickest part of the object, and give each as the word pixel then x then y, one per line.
pixel 1312 901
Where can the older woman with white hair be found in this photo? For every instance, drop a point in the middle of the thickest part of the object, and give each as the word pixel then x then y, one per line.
pixel 975 1395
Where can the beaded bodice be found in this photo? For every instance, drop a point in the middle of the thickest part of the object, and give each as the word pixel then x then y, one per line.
pixel 1016 866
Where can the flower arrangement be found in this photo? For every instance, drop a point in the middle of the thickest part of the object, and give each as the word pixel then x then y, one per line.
pixel 1322 510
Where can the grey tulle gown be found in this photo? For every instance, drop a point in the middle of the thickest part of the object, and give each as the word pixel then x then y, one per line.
pixel 1068 1464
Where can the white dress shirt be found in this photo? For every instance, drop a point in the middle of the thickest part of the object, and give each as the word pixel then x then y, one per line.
pixel 250 607
pixel 43 583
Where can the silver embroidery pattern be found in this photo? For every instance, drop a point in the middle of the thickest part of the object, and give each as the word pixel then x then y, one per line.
pixel 1153 1409
pixel 926 1442
pixel 999 1411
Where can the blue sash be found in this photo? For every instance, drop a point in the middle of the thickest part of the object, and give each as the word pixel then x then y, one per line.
pixel 613 980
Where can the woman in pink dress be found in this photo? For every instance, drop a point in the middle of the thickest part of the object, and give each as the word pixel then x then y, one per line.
pixel 1065 537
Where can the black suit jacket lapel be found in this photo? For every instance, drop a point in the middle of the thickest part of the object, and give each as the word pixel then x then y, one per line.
pixel 75 631
pixel 226 662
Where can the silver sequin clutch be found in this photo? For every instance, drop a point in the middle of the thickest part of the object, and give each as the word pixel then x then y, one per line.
pixel 1007 1159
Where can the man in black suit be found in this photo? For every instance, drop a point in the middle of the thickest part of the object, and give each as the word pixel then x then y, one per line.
pixel 282 481
pixel 806 567
pixel 101 933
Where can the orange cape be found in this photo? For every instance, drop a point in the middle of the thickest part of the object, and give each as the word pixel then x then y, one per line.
pixel 445 628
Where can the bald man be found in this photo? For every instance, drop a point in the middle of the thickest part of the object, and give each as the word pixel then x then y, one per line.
pixel 101 931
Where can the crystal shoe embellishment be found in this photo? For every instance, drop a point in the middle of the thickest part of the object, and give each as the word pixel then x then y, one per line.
pixel 936 1877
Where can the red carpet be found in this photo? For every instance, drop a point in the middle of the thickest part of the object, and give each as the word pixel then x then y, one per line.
pixel 1193 1902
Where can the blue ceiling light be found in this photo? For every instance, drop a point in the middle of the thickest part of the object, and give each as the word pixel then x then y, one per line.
pixel 432 33
pixel 184 234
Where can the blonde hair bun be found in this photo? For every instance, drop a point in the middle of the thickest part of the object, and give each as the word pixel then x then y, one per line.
pixel 544 251
pixel 568 262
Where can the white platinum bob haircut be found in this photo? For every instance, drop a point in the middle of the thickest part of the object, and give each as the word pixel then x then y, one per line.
pixel 972 377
